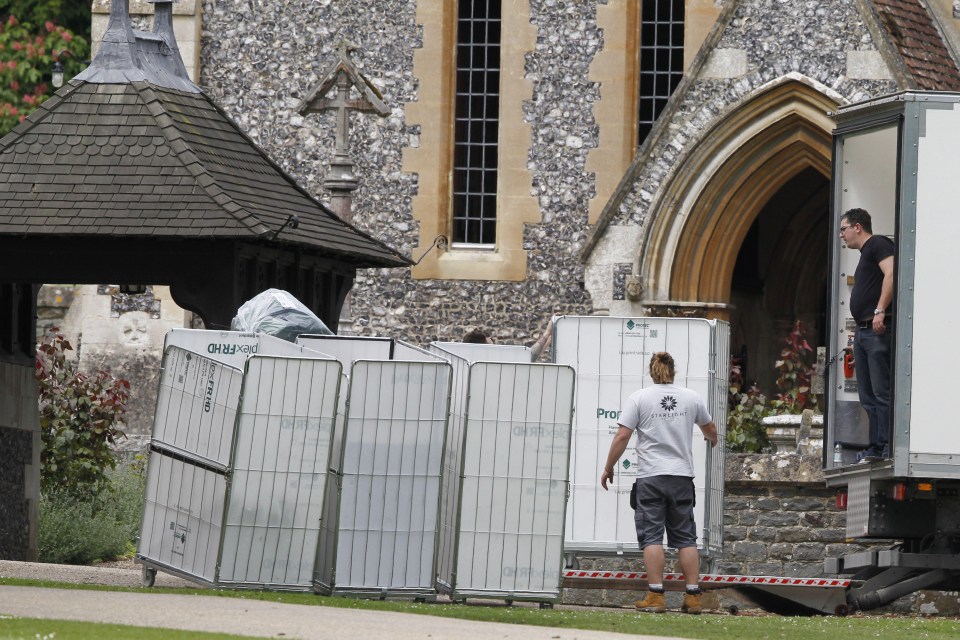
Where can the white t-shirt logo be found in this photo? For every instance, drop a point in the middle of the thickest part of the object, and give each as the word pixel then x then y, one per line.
pixel 669 403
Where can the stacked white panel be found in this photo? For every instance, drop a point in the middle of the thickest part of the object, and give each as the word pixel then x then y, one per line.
pixel 514 491
pixel 279 471
pixel 452 466
pixel 182 517
pixel 505 475
pixel 392 455
pixel 379 531
pixel 238 461
pixel 474 352
pixel 186 472
pixel 611 357
pixel 712 523
pixel 234 347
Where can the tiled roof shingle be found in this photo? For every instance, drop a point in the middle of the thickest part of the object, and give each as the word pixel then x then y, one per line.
pixel 146 160
pixel 925 55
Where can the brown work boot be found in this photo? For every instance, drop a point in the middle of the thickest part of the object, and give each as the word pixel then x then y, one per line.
pixel 691 603
pixel 653 603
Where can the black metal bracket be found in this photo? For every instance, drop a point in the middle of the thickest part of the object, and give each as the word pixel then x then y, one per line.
pixel 292 221
pixel 440 242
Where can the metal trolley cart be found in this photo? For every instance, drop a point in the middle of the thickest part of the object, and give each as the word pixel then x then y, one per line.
pixel 611 357
pixel 238 460
pixel 505 476
pixel 379 530
pixel 895 156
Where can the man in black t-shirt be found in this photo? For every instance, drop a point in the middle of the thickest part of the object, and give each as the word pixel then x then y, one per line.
pixel 870 305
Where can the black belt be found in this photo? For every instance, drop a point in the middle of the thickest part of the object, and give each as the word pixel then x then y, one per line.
pixel 868 324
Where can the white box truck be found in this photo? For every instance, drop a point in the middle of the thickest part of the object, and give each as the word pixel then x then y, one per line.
pixel 895 157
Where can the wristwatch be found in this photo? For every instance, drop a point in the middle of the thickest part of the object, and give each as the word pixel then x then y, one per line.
pixel 878 311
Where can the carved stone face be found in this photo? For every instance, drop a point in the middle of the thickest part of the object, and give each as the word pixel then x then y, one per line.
pixel 133 328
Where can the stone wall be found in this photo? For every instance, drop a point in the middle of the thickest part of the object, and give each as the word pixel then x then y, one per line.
pixel 775 39
pixel 19 462
pixel 53 303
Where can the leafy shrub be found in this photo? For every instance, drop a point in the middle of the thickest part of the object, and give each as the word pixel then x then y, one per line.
pixel 747 407
pixel 104 528
pixel 795 369
pixel 745 414
pixel 80 414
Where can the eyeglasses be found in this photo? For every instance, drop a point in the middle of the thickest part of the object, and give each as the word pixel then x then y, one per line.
pixel 844 228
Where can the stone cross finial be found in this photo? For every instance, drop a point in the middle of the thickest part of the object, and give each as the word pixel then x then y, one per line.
pixel 334 93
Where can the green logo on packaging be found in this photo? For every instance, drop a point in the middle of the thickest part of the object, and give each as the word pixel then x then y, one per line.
pixel 626 463
pixel 630 324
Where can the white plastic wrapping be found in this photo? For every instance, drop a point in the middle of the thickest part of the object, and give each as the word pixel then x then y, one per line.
pixel 277 313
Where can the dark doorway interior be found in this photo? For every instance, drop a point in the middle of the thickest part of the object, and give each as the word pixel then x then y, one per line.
pixel 781 276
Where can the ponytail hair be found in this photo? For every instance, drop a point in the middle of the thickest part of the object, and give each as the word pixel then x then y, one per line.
pixel 662 368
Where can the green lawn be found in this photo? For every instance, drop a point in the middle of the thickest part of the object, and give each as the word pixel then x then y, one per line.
pixel 705 627
pixel 34 629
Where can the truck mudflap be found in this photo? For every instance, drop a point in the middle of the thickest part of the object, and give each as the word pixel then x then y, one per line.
pixel 781 595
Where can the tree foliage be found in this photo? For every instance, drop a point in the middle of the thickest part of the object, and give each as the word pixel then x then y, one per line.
pixel 72 14
pixel 80 418
pixel 27 53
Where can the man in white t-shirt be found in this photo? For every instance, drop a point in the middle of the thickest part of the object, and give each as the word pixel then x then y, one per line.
pixel 663 417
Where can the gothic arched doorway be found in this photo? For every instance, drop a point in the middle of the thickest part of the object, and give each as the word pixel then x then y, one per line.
pixel 741 231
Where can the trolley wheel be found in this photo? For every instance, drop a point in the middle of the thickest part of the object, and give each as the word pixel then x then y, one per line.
pixel 841 610
pixel 148 576
pixel 733 610
pixel 546 605
pixel 421 600
pixel 509 603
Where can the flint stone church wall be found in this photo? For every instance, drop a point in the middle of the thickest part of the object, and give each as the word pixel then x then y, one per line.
pixel 258 61
pixel 812 39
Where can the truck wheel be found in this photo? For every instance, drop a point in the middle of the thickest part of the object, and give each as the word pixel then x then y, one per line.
pixel 841 610
pixel 733 610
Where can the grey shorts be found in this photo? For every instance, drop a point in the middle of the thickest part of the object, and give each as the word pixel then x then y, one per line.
pixel 666 502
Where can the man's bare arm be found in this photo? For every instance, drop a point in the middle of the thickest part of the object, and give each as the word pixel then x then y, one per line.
pixel 710 433
pixel 620 441
pixel 886 294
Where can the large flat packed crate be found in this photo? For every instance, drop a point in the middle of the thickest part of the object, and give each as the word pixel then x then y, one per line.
pixel 612 357
pixel 238 460
pixel 379 531
pixel 505 479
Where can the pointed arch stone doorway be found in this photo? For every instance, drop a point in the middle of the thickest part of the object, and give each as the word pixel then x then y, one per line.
pixel 741 232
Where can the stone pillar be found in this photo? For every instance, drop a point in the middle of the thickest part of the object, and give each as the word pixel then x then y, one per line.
pixel 19 424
